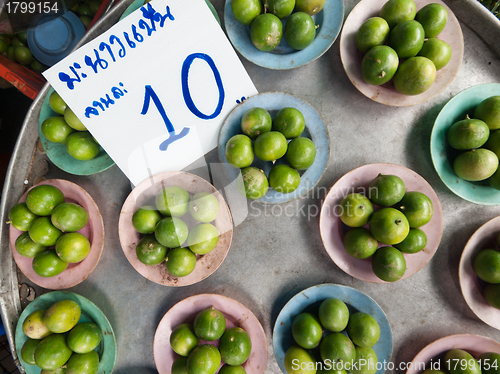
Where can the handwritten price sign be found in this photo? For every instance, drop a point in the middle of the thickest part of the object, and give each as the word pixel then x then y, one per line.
pixel 155 89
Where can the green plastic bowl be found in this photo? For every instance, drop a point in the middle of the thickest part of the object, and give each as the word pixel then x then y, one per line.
pixel 455 110
pixel 90 313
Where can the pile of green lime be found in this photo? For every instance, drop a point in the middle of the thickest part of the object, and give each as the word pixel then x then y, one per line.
pixel 270 140
pixel 477 140
pixel 266 19
pixel 86 10
pixel 395 225
pixel 68 129
pixel 459 361
pixel 57 343
pixel 50 228
pixel 400 33
pixel 234 345
pixel 15 47
pixel 167 234
pixel 487 267
pixel 345 345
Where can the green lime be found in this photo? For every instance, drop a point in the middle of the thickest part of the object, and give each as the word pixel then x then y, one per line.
pixel 386 190
pixel 468 134
pixel 417 208
pixel 204 207
pixel 396 11
pixel 23 55
pixel 360 243
pixel 55 129
pixel 94 6
pixel 23 36
pixel 72 120
pixel 48 264
pixel 145 219
pixel 203 238
pixel 20 217
pixel 307 330
pixel 476 165
pixel 10 53
pixel 42 199
pixel 69 217
pixel 179 366
pixel 492 295
pixel 28 351
pixel 407 38
pixel 270 146
pixel 61 370
pixel 86 363
pixel 355 210
pixel 34 326
pixel 301 153
pixel 82 146
pixel 172 201
pixel 454 356
pixel 235 346
pixel 209 324
pixel 389 226
pixel 489 111
pixel 3 46
pixel 365 362
pixel 338 348
pixel 150 252
pixel 310 7
pixel 183 339
pixel 373 32
pixel 17 43
pixel 300 31
pixel 289 121
pixel 388 264
pixel 329 368
pixel 284 179
pixel 280 8
pixel 57 103
pixel 205 359
pixel 255 183
pixel 379 65
pixel 228 369
pixel 299 361
pixel 438 51
pixel 414 242
pixel 27 247
pixel 489 362
pixel 37 66
pixel 84 10
pixel 363 329
pixel 266 32
pixel 493 142
pixel 52 352
pixel 62 316
pixel 171 232
pixel 84 337
pixel 333 314
pixel 245 11
pixel 86 20
pixel 239 151
pixel 72 247
pixel 256 121
pixel 415 76
pixel 43 232
pixel 433 18
pixel 180 262
pixel 487 265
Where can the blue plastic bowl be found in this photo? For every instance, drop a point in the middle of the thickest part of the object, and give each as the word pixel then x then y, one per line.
pixel 312 297
pixel 455 110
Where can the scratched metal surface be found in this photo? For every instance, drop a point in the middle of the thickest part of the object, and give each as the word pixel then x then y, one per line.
pixel 277 252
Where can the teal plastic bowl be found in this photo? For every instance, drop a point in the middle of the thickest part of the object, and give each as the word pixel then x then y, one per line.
pixel 56 152
pixel 442 154
pixel 90 313
pixel 310 299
